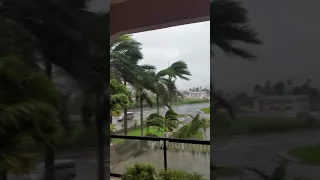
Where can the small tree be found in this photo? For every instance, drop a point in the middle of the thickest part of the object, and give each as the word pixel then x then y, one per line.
pixel 168 122
pixel 189 130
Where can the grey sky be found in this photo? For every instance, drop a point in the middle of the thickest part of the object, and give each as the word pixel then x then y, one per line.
pixel 290 31
pixel 188 42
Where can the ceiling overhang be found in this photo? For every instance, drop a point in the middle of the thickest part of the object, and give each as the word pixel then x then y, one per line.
pixel 133 16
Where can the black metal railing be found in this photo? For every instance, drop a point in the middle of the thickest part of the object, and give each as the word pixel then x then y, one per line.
pixel 159 139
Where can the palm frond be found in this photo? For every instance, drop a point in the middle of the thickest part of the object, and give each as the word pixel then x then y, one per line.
pixel 230 25
pixel 148 67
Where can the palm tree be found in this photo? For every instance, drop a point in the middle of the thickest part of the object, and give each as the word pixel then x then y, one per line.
pixel 158 87
pixel 125 54
pixel 61 46
pixel 189 130
pixel 172 89
pixel 176 70
pixel 28 109
pixel 168 76
pixel 118 97
pixel 168 121
pixel 77 45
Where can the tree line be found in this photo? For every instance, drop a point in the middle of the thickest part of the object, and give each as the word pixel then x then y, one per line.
pixel 286 88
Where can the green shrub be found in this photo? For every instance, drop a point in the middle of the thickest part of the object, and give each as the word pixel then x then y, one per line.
pixel 147 172
pixel 189 130
pixel 178 175
pixel 139 172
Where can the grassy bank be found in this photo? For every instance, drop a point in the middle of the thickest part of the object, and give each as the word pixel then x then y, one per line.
pixel 198 136
pixel 244 125
pixel 205 110
pixel 137 132
pixel 153 130
pixel 307 154
pixel 190 101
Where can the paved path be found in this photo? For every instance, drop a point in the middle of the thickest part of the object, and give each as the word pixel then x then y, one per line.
pixel 261 151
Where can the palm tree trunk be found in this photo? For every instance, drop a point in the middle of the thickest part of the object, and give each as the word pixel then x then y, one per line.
pixel 3 175
pixel 49 151
pixel 109 126
pixel 141 116
pixel 158 105
pixel 158 111
pixel 125 119
pixel 170 101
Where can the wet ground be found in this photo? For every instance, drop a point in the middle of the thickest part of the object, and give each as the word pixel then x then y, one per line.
pixel 261 151
pixel 178 160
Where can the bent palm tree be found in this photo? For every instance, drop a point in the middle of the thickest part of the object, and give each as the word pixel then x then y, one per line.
pixel 229 24
pixel 125 53
pixel 176 70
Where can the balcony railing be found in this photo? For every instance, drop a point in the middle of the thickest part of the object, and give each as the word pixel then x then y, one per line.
pixel 132 147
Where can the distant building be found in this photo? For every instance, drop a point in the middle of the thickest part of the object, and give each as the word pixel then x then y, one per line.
pixel 288 105
pixel 199 95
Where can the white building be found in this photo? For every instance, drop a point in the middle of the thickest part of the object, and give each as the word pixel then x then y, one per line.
pixel 288 105
pixel 198 95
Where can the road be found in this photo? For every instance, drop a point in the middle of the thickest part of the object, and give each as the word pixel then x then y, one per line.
pixel 181 109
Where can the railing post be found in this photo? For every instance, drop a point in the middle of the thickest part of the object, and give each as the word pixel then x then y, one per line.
pixel 165 154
